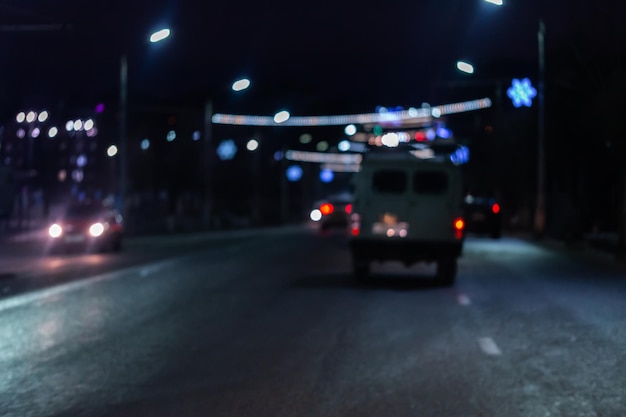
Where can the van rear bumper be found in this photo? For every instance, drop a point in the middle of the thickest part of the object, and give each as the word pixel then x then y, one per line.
pixel 407 251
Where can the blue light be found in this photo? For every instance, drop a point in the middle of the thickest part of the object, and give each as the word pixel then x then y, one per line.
pixel 326 175
pixel 443 133
pixel 521 92
pixel 430 134
pixel 227 149
pixel 460 156
pixel 279 155
pixel 294 173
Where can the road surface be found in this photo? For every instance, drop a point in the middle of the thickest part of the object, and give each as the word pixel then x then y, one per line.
pixel 272 324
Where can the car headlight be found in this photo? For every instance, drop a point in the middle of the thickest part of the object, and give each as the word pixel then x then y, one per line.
pixel 315 215
pixel 55 230
pixel 96 229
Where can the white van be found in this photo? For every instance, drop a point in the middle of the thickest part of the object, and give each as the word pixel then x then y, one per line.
pixel 407 209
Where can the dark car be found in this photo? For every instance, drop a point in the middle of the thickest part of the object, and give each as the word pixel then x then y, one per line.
pixel 89 226
pixel 332 212
pixel 483 216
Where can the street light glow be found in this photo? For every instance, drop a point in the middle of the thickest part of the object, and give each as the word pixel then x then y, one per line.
pixel 31 116
pixel 465 67
pixel 43 116
pixel 88 124
pixel 281 117
pixel 53 132
pixel 21 116
pixel 160 35
pixel 496 2
pixel 112 150
pixel 252 145
pixel 242 84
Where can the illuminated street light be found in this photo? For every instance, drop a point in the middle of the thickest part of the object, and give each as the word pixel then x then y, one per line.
pixel 21 116
pixel 496 2
pixel 43 116
pixel 241 85
pixel 252 145
pixel 350 130
pixel 53 132
pixel 31 116
pixel 465 67
pixel 160 35
pixel 281 116
pixel 88 124
pixel 112 150
pixel 69 126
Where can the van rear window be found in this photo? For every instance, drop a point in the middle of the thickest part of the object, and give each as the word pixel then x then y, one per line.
pixel 430 182
pixel 389 181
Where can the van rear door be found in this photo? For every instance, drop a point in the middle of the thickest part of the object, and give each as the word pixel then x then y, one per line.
pixel 433 203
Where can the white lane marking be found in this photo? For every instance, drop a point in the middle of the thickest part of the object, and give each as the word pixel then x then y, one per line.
pixel 47 293
pixel 463 300
pixel 489 347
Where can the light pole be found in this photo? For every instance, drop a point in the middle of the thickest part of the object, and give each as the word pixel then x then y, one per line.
pixel 540 199
pixel 123 144
pixel 237 86
pixel 540 208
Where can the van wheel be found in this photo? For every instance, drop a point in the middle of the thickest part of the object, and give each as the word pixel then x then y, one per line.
pixel 446 271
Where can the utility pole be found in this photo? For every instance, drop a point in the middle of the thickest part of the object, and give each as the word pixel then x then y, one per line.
pixel 540 209
pixel 207 202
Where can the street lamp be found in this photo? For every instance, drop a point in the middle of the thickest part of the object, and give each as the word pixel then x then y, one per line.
pixel 540 203
pixel 154 37
pixel 465 67
pixel 237 86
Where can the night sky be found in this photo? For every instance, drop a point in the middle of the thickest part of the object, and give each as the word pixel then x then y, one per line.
pixel 336 55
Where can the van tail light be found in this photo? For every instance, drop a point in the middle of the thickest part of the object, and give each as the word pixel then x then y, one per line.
pixel 327 209
pixel 355 224
pixel 459 225
pixel 495 208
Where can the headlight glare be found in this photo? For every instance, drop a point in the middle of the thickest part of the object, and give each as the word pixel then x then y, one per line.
pixel 96 229
pixel 55 231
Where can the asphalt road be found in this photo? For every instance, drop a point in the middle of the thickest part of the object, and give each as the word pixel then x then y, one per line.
pixel 272 324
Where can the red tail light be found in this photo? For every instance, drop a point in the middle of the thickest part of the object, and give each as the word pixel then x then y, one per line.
pixel 495 208
pixel 356 224
pixel 327 208
pixel 348 208
pixel 459 225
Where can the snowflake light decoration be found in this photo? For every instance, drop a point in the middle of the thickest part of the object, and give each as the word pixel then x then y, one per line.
pixel 227 149
pixel 521 92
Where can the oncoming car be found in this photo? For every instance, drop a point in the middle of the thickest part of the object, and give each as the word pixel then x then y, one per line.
pixel 89 226
pixel 332 212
